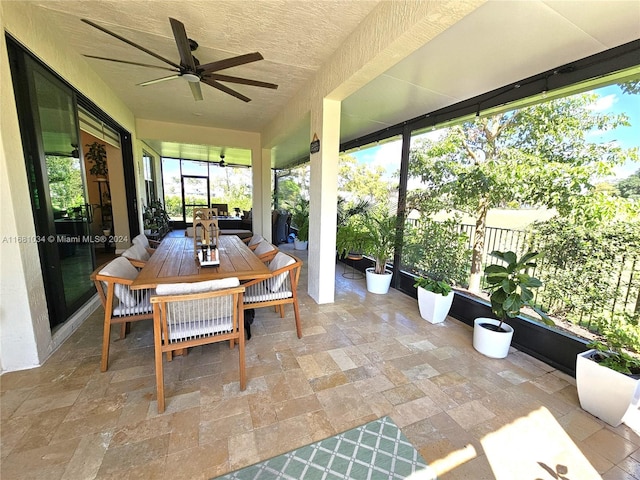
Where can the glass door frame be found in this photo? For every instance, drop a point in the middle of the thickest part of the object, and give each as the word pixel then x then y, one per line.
pixel 192 205
pixel 24 69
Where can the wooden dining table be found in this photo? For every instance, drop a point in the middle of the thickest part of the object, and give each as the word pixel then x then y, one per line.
pixel 175 261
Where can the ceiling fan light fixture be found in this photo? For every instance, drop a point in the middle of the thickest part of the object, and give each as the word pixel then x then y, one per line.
pixel 191 77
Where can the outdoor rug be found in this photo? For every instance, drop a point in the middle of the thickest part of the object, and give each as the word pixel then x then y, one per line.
pixel 377 450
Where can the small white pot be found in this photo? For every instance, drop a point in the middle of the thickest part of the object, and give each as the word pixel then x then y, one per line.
pixel 378 282
pixel 603 392
pixel 300 244
pixel 147 232
pixel 489 343
pixel 433 306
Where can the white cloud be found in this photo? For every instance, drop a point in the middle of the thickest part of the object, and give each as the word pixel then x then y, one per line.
pixel 604 103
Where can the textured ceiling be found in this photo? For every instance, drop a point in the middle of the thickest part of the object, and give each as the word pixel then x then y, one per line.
pixel 497 44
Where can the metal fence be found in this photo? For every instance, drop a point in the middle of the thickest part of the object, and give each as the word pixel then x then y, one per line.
pixel 619 275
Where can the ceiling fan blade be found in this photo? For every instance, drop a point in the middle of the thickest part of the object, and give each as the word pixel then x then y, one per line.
pixel 196 90
pixel 243 81
pixel 158 80
pixel 182 42
pixel 225 89
pixel 135 45
pixel 230 62
pixel 132 63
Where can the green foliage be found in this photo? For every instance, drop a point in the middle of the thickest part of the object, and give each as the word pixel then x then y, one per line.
pixel 630 186
pixel 511 286
pixel 436 286
pixel 347 210
pixel 300 218
pixel 586 269
pixel 363 182
pixel 97 156
pixel 155 217
pixel 372 234
pixel 437 250
pixel 536 156
pixel 613 356
pixel 65 182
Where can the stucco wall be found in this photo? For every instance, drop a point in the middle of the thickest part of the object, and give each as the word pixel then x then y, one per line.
pixel 25 335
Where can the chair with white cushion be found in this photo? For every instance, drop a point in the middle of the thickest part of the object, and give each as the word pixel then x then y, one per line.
pixel 279 289
pixel 192 314
pixel 265 251
pixel 148 245
pixel 137 252
pixel 121 304
pixel 253 240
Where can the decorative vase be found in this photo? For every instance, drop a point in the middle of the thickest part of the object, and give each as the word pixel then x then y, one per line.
pixel 378 282
pixel 434 307
pixel 491 343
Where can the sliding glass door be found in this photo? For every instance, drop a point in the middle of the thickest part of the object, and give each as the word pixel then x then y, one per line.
pixel 47 112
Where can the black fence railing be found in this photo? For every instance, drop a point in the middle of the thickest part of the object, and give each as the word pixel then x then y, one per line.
pixel 616 290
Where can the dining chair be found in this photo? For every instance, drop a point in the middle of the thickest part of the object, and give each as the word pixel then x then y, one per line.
pixel 279 289
pixel 253 241
pixel 148 245
pixel 265 251
pixel 136 252
pixel 121 304
pixel 192 314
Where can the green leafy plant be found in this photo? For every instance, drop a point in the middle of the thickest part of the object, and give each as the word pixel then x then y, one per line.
pixel 372 234
pixel 97 156
pixel 615 359
pixel 154 217
pixel 613 349
pixel 300 218
pixel 436 286
pixel 511 286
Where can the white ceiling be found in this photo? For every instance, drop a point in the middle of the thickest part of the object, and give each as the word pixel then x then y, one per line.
pixel 499 43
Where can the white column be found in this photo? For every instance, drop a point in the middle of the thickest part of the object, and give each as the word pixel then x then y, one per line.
pixel 325 124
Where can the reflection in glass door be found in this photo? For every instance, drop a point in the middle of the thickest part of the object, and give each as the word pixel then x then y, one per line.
pixel 195 191
pixel 49 126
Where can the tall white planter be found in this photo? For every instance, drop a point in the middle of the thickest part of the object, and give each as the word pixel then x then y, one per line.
pixel 603 392
pixel 433 306
pixel 378 282
pixel 490 343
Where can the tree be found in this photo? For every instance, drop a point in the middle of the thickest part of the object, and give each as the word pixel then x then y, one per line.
pixel 630 186
pixel 535 156
pixel 362 182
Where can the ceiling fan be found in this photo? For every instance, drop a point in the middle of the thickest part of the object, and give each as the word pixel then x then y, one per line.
pixel 222 163
pixel 189 67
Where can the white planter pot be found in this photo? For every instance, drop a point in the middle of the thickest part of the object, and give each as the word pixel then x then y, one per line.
pixel 147 232
pixel 489 343
pixel 300 244
pixel 433 306
pixel 378 282
pixel 603 392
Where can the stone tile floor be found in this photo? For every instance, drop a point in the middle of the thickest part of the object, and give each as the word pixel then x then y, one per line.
pixel 362 357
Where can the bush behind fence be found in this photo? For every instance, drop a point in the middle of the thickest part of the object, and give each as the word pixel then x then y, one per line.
pixel 590 278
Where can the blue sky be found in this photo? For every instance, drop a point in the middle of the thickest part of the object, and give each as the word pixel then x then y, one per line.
pixel 612 100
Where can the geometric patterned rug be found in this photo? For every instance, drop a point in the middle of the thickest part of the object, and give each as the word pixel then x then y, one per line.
pixel 377 450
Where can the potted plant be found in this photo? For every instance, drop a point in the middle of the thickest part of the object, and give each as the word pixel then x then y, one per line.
pixel 97 156
pixel 511 290
pixel 378 242
pixel 434 299
pixel 440 255
pixel 300 220
pixel 608 379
